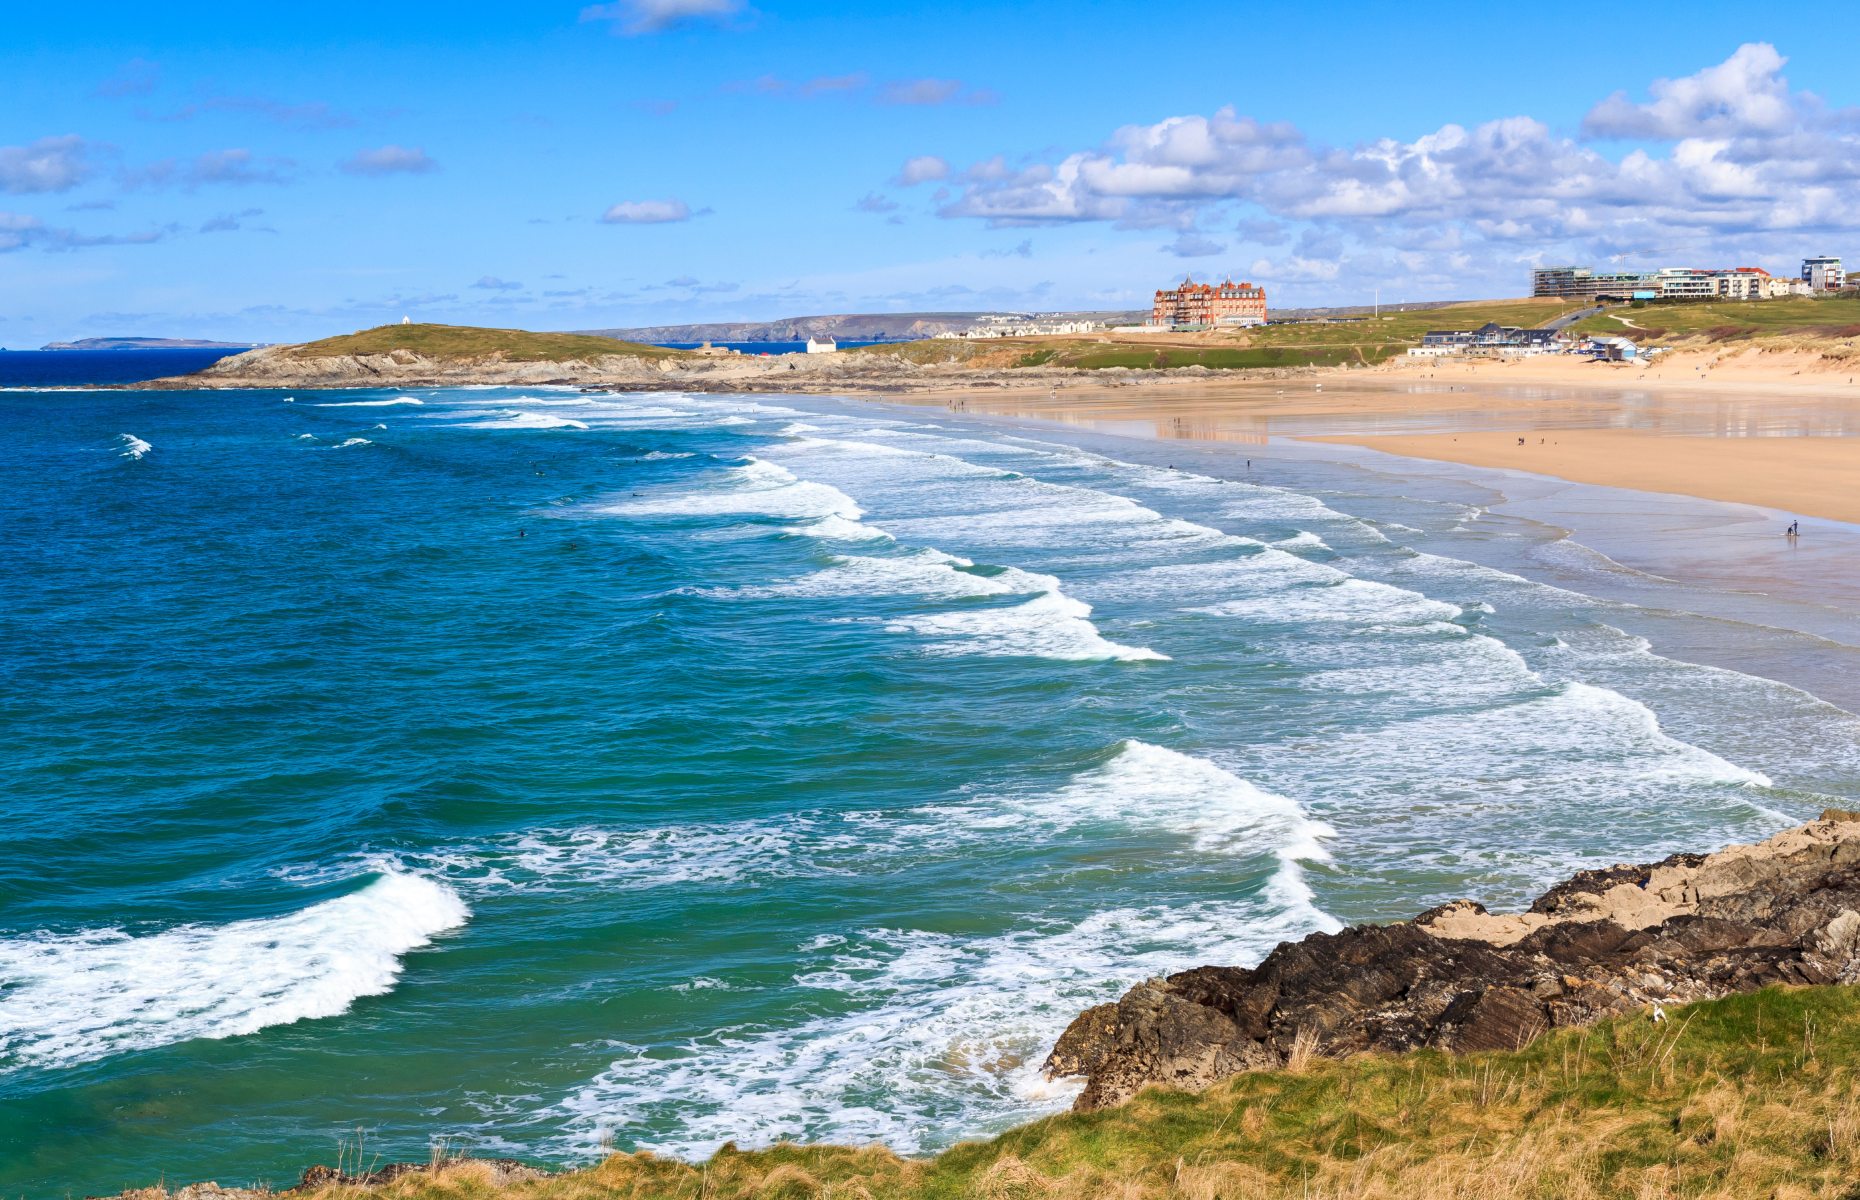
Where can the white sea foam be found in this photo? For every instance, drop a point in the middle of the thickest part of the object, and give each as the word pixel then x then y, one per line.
pixel 944 1039
pixel 755 488
pixel 1353 600
pixel 306 437
pixel 1050 625
pixel 517 419
pixel 1153 786
pixel 372 403
pixel 74 998
pixel 133 446
pixel 356 441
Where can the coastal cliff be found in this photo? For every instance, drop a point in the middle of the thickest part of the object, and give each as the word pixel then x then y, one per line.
pixel 1604 943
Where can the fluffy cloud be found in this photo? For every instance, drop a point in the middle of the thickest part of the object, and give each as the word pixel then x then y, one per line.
pixel 52 164
pixel 923 169
pixel 1742 95
pixel 1194 245
pixel 647 212
pixel 873 202
pixel 635 17
pixel 1735 158
pixel 389 160
pixel 491 283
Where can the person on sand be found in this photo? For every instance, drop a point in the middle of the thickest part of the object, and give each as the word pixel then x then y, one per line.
pixel 1795 529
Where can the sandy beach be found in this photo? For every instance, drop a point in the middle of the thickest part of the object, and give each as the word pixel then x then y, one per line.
pixel 1779 430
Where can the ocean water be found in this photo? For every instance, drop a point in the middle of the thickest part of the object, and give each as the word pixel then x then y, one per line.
pixel 544 772
pixel 85 368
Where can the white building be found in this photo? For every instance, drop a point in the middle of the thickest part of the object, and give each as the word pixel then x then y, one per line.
pixel 1822 274
pixel 824 345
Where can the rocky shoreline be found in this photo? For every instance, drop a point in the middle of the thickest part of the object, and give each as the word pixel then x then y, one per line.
pixel 1457 978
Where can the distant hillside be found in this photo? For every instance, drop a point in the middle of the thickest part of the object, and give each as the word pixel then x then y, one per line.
pixel 146 343
pixel 846 327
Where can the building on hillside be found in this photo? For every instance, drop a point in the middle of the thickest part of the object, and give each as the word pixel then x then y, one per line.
pixel 1580 283
pixel 1667 283
pixel 822 345
pixel 1007 325
pixel 1822 274
pixel 1209 305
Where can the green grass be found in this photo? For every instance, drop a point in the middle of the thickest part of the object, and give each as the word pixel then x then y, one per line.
pixel 1344 343
pixel 1730 320
pixel 1752 1095
pixel 466 341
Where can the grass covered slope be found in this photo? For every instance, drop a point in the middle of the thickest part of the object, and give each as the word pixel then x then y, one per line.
pixel 1803 318
pixel 1352 342
pixel 470 342
pixel 1752 1095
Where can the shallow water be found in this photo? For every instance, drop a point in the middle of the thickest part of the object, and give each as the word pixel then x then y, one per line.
pixel 542 771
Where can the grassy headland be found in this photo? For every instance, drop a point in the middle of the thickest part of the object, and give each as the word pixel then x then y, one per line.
pixel 470 342
pixel 1345 342
pixel 1752 1095
pixel 1730 321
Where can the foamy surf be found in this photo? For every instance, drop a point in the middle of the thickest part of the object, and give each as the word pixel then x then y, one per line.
pixel 133 446
pixel 399 400
pixel 525 420
pixel 67 999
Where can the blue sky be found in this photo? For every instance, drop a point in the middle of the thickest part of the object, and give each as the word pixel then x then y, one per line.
pixel 276 172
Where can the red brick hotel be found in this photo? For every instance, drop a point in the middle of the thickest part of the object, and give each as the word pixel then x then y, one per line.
pixel 1210 304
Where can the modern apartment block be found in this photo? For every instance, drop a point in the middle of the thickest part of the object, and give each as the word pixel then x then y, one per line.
pixel 1822 274
pixel 1669 283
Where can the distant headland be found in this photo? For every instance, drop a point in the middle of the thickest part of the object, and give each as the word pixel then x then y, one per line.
pixel 147 343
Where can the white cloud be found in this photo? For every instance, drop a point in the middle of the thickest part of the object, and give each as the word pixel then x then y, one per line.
pixel 1194 245
pixel 491 283
pixel 51 164
pixel 1735 159
pixel 923 169
pixel 647 212
pixel 635 17
pixel 1743 94
pixel 389 160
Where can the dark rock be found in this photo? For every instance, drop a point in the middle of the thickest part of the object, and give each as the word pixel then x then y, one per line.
pixel 1603 943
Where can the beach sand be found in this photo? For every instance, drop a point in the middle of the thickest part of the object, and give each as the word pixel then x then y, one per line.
pixel 1775 428
pixel 1810 476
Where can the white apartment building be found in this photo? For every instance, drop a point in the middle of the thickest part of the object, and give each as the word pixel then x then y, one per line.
pixel 1822 274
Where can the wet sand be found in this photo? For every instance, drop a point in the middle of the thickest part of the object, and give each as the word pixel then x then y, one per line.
pixel 1806 475
pixel 1664 487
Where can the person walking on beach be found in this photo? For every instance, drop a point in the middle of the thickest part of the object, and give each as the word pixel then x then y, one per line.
pixel 1795 529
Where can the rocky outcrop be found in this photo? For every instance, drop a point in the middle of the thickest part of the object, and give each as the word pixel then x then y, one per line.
pixel 1784 911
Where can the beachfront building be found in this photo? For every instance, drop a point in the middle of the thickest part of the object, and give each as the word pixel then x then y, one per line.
pixel 1490 340
pixel 1209 305
pixel 1822 274
pixel 822 345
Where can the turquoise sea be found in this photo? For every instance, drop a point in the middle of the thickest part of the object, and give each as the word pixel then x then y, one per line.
pixel 543 772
